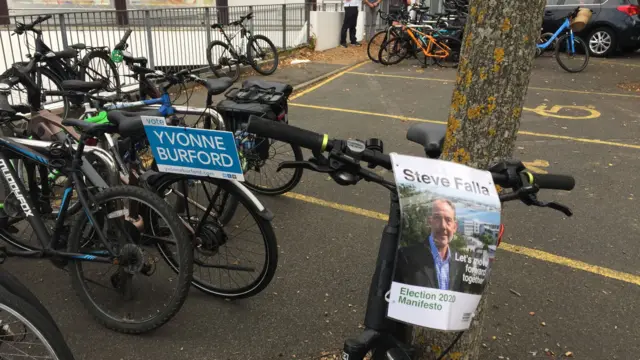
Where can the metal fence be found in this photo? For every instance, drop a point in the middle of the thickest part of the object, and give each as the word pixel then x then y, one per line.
pixel 171 39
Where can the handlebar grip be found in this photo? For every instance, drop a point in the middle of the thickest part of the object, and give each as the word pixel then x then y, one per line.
pixel 556 182
pixel 286 133
pixel 123 41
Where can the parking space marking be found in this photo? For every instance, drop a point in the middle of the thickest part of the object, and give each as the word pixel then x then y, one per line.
pixel 584 92
pixel 325 82
pixel 555 109
pixel 521 132
pixel 516 249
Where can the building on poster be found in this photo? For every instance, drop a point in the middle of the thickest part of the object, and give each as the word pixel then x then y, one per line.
pixel 450 225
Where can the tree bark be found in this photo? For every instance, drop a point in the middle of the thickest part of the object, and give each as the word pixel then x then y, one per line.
pixel 493 75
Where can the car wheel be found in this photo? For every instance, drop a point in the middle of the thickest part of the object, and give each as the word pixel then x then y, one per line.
pixel 602 42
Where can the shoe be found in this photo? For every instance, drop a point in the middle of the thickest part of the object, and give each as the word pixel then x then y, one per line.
pixel 356 44
pixel 344 45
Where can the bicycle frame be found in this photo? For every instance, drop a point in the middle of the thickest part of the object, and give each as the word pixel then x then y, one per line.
pixel 381 333
pixel 243 31
pixel 565 25
pixel 432 41
pixel 9 147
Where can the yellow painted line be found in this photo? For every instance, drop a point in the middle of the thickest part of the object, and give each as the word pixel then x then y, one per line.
pixel 325 82
pixel 584 92
pixel 341 207
pixel 553 112
pixel 516 249
pixel 530 133
pixel 617 63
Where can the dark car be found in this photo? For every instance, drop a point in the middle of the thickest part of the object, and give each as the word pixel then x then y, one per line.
pixel 614 25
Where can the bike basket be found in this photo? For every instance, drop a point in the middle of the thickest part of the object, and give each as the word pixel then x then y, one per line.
pixel 235 114
pixel 581 20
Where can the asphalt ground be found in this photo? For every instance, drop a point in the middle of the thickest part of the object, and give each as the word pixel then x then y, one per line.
pixel 579 275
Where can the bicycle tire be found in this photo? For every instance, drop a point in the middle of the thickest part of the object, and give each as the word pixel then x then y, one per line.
pixel 43 325
pixel 217 73
pixel 380 33
pixel 290 185
pixel 269 237
pixel 577 40
pixel 147 198
pixel 250 54
pixel 397 42
pixel 98 54
pixel 12 284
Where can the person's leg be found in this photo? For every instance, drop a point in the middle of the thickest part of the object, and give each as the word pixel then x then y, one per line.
pixel 354 22
pixel 345 26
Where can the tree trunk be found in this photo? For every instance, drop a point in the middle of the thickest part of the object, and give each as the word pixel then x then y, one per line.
pixel 493 76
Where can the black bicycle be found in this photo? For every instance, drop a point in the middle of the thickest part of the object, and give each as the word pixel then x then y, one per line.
pixel 67 64
pixel 383 337
pixel 223 55
pixel 115 226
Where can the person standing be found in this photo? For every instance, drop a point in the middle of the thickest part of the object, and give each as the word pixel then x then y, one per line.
pixel 351 9
pixel 371 17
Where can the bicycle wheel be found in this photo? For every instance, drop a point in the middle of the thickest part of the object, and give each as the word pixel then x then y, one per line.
pixel 88 72
pixel 579 47
pixel 453 46
pixel 50 81
pixel 393 51
pixel 217 243
pixel 261 155
pixel 224 59
pixel 251 50
pixel 135 263
pixel 28 320
pixel 373 48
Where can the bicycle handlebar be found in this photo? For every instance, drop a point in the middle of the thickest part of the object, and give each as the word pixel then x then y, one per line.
pixel 348 154
pixel 123 42
pixel 21 28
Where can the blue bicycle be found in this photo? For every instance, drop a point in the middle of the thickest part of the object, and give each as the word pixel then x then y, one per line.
pixel 568 43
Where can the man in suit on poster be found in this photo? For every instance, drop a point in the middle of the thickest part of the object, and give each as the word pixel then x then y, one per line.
pixel 431 262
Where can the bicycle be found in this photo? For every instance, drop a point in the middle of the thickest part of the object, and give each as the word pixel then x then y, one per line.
pixel 412 41
pixel 236 56
pixel 120 246
pixel 17 301
pixel 66 65
pixel 383 337
pixel 569 40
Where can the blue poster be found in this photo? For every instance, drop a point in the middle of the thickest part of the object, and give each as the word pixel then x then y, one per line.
pixel 191 151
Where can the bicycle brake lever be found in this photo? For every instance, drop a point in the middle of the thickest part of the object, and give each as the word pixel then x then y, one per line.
pixel 305 165
pixel 559 207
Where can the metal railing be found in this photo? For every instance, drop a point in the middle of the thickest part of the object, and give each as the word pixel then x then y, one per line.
pixel 171 39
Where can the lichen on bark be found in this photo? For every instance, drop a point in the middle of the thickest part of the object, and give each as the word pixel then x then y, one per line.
pixel 484 117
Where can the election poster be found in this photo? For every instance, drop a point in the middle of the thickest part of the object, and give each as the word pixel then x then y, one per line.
pixel 192 151
pixel 450 227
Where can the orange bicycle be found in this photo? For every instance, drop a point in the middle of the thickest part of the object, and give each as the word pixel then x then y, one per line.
pixel 443 50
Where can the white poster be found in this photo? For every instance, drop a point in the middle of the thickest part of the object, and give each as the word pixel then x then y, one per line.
pixel 450 225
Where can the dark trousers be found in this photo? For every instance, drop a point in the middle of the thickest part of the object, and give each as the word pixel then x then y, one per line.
pixel 350 21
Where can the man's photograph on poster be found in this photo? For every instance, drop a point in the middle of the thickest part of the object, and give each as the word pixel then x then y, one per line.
pixel 448 241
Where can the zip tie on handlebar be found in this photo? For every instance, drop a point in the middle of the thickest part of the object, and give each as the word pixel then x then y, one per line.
pixel 325 140
pixel 530 176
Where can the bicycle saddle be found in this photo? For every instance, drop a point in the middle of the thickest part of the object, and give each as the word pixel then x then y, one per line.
pixel 78 46
pixel 129 123
pixel 430 136
pixel 67 53
pixel 218 86
pixel 84 86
